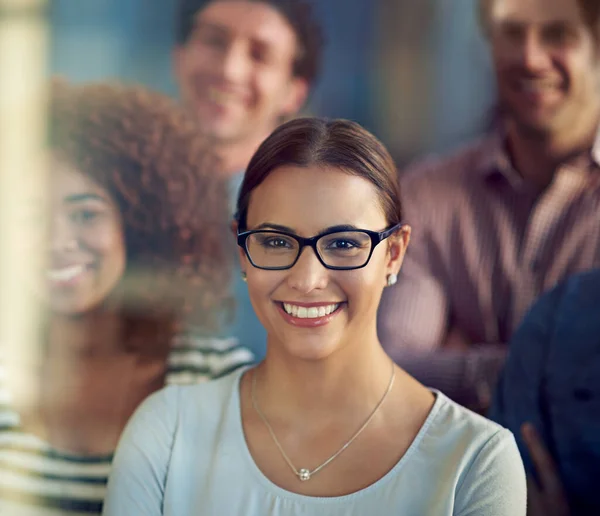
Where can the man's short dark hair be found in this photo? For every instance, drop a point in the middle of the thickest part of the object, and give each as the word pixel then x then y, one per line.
pixel 300 15
pixel 589 8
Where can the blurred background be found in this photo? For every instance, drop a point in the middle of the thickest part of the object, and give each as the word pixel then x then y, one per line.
pixel 414 72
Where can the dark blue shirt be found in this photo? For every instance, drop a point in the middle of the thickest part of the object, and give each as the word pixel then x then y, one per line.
pixel 552 379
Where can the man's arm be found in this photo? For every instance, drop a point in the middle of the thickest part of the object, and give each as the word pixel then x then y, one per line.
pixel 413 326
pixel 414 329
pixel 468 377
pixel 415 318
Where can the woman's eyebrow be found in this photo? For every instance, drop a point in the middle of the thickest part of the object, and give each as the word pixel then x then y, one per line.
pixel 276 227
pixel 340 227
pixel 287 229
pixel 84 197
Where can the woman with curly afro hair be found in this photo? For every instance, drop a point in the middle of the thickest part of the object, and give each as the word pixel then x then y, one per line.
pixel 137 242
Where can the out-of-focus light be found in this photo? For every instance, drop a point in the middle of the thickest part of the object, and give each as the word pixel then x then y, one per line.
pixel 23 86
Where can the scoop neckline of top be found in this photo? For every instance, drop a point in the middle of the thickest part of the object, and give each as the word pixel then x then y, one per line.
pixel 284 493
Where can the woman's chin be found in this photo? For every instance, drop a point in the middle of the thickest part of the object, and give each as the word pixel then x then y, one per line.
pixel 310 348
pixel 74 308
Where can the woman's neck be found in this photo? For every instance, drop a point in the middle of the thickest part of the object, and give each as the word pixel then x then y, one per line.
pixel 91 382
pixel 352 380
pixel 91 336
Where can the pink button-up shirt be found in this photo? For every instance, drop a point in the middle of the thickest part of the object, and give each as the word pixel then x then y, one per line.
pixel 485 244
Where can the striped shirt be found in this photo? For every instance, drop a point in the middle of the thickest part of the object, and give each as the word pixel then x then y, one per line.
pixel 37 480
pixel 485 244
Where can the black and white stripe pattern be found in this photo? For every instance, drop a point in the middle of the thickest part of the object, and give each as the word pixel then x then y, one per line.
pixel 36 480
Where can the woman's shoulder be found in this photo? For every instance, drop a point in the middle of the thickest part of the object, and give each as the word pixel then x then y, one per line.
pixel 454 429
pixel 181 396
pixel 186 415
pixel 480 457
pixel 201 401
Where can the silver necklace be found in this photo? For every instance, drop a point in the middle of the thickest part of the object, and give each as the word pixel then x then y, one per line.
pixel 305 474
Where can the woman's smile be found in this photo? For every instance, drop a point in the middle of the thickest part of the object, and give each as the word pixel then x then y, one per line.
pixel 309 315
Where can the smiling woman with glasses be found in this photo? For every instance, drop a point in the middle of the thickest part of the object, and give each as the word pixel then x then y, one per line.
pixel 327 424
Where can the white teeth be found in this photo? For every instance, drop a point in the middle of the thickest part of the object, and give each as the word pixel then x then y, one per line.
pixel 65 274
pixel 302 312
pixel 220 97
pixel 531 85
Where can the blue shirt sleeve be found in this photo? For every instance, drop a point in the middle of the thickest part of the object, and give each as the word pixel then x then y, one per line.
pixel 139 472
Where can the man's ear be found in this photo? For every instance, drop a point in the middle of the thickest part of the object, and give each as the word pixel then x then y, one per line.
pixel 296 97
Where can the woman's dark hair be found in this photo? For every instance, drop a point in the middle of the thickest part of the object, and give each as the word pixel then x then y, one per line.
pixel 147 153
pixel 342 144
pixel 300 14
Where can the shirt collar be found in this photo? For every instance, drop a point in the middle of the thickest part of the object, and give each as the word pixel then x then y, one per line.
pixel 496 160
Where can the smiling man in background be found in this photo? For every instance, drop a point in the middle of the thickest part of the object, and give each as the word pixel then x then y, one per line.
pixel 243 67
pixel 507 217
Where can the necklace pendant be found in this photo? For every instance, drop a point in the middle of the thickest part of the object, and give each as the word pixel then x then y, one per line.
pixel 304 475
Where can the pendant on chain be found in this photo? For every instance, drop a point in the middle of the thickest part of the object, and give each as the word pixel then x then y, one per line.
pixel 304 475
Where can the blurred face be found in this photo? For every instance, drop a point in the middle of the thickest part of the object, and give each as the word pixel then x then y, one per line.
pixel 84 242
pixel 235 72
pixel 546 63
pixel 310 311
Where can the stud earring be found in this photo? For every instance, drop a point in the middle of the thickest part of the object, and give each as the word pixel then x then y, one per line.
pixel 392 279
pixel 244 277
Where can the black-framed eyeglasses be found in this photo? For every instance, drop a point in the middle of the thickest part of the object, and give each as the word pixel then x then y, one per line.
pixel 336 249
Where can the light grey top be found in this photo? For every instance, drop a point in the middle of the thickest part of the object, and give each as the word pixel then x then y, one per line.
pixel 184 453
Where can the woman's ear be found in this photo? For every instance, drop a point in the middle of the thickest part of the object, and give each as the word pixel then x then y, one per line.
pixel 397 245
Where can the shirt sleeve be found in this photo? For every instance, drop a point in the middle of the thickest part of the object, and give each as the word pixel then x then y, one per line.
pixel 137 481
pixel 415 315
pixel 494 484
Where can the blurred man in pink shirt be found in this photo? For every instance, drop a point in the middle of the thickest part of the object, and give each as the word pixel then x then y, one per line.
pixel 507 217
